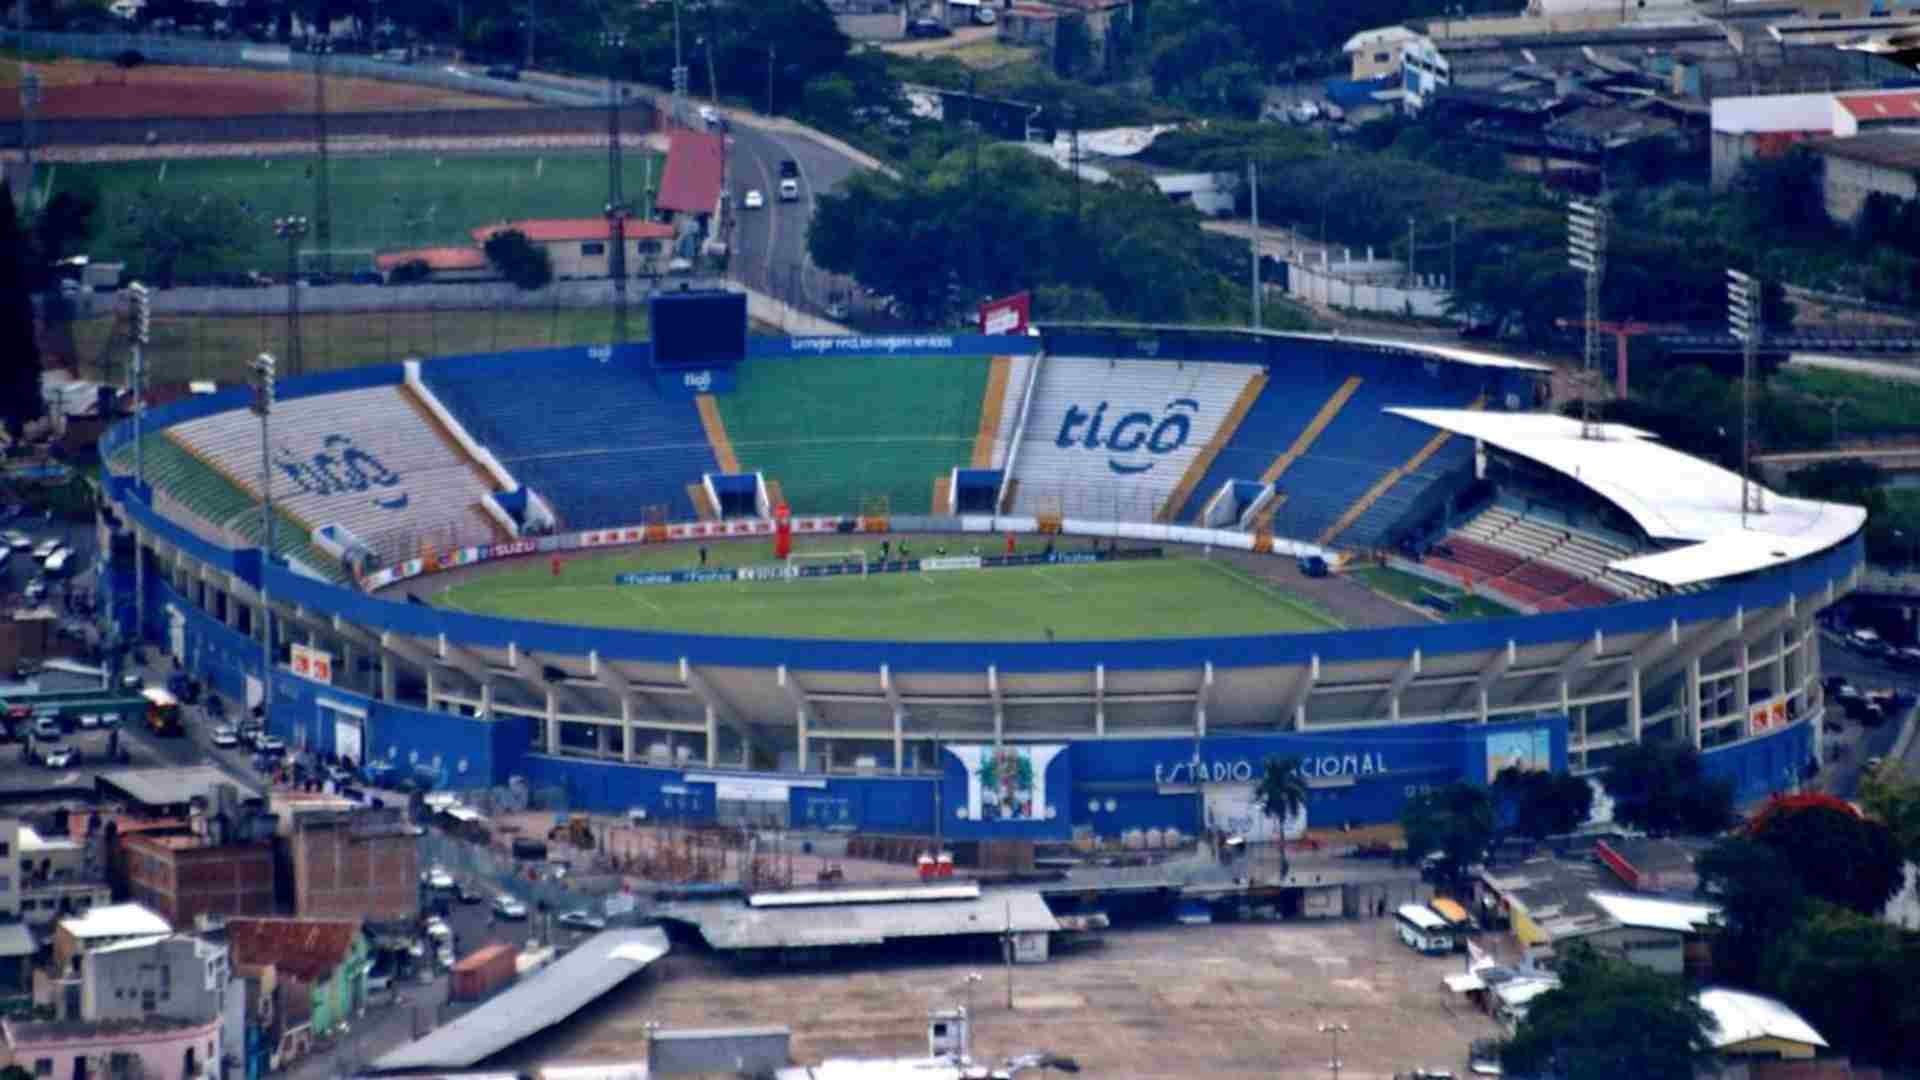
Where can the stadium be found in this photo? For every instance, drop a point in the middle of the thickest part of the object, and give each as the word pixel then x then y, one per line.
pixel 1022 587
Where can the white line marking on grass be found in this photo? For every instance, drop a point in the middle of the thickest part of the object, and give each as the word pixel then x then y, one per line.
pixel 1047 580
pixel 1280 599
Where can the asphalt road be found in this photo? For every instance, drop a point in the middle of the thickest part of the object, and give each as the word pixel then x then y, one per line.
pixel 1841 776
pixel 770 244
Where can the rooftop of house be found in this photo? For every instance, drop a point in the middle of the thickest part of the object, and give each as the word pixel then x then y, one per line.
pixel 1899 150
pixel 436 258
pixel 40 1032
pixel 565 230
pixel 1555 893
pixel 116 920
pixel 305 949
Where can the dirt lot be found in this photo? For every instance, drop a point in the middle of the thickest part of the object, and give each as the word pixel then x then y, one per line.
pixel 1232 1000
pixel 78 88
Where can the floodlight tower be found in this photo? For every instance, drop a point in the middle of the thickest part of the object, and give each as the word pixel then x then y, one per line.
pixel 1745 321
pixel 617 209
pixel 1587 253
pixel 322 171
pixel 292 230
pixel 263 390
pixel 142 326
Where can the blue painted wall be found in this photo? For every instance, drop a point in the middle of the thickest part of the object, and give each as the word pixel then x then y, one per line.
pixel 1760 767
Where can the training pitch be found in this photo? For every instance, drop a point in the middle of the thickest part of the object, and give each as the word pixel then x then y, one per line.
pixel 379 202
pixel 1186 594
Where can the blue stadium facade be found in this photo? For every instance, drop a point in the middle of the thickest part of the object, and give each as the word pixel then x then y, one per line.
pixel 979 740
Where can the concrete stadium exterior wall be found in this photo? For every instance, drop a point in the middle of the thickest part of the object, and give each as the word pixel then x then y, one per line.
pixel 868 734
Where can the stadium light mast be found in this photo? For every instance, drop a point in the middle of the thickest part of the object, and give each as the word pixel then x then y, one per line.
pixel 1745 321
pixel 142 324
pixel 292 230
pixel 617 209
pixel 263 392
pixel 679 72
pixel 1587 253
pixel 322 172
pixel 1253 241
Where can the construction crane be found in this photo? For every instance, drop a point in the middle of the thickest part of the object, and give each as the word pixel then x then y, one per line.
pixel 1622 332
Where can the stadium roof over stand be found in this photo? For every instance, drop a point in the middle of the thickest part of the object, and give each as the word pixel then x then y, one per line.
pixel 731 925
pixel 1673 496
pixel 535 1003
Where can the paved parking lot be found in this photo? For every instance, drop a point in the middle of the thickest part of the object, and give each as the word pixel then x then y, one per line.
pixel 1229 1000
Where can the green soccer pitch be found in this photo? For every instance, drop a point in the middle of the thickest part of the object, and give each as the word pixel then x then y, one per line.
pixel 379 202
pixel 1183 595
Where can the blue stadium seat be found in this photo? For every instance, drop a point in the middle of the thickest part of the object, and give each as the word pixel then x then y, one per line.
pixel 598 441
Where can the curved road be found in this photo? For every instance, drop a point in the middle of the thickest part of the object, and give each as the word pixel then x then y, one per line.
pixel 770 244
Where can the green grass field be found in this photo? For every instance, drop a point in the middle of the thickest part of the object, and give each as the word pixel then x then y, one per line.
pixel 378 203
pixel 1409 588
pixel 220 346
pixel 1181 596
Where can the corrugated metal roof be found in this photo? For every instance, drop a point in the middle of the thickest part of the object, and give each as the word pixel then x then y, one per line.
pixel 116 920
pixel 1656 913
pixel 596 966
pixel 1745 1017
pixel 165 787
pixel 732 926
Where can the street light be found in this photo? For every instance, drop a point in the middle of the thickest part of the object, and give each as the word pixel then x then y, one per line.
pixel 292 229
pixel 617 211
pixel 974 978
pixel 1335 1031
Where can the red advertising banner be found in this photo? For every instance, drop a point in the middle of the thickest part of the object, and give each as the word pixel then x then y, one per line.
pixel 1007 315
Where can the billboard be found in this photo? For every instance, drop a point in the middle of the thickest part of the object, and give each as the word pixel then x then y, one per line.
pixel 698 329
pixel 311 663
pixel 1007 783
pixel 1765 718
pixel 1007 315
pixel 1529 750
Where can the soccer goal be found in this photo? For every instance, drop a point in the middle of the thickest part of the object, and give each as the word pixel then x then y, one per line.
pixel 846 560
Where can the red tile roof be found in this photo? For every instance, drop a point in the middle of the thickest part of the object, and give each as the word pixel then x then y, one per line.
pixel 560 230
pixel 1903 105
pixel 305 949
pixel 696 163
pixel 437 258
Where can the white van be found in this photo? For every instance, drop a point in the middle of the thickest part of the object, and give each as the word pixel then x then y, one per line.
pixel 58 562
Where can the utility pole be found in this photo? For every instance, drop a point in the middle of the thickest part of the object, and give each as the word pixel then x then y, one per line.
pixel 1007 950
pixel 1413 275
pixel 142 325
pixel 679 72
pixel 292 229
pixel 978 277
pixel 1253 193
pixel 1587 247
pixel 1746 320
pixel 713 79
pixel 770 52
pixel 617 208
pixel 322 177
pixel 29 100
pixel 533 15
pixel 1453 257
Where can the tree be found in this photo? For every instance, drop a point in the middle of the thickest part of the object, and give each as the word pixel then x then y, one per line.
pixel 1760 899
pixel 519 259
pixel 1852 977
pixel 174 227
pixel 1664 788
pixel 1456 821
pixel 1895 801
pixel 1282 790
pixel 1072 47
pixel 20 400
pixel 1542 804
pixel 1609 1019
pixel 1839 856
pixel 409 272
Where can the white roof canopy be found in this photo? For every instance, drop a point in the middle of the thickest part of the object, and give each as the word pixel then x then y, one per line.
pixel 1743 1017
pixel 1671 495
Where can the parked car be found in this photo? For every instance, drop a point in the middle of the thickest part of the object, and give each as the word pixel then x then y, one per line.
pixel 928 28
pixel 755 199
pixel 379 980
pixel 467 894
pixel 439 880
pixel 47 726
pixel 17 540
pixel 58 756
pixel 270 746
pixel 583 920
pixel 225 737
pixel 44 549
pixel 507 907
